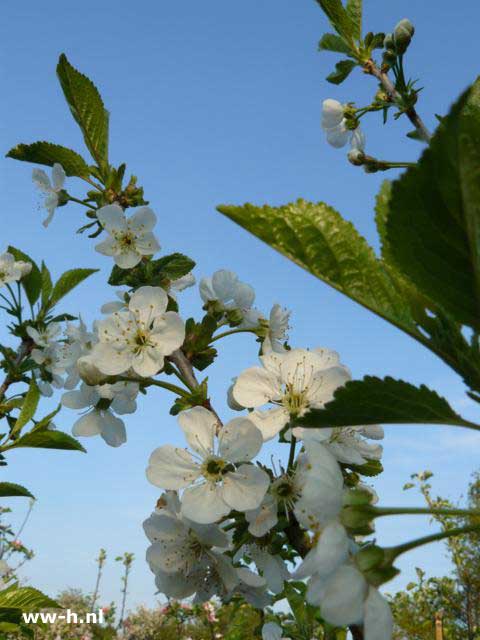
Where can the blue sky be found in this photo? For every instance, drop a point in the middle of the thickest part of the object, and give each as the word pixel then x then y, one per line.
pixel 211 103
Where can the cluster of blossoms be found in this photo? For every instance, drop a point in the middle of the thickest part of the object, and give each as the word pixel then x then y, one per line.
pixel 219 525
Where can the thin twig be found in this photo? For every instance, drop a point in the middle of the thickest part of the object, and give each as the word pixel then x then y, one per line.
pixel 371 68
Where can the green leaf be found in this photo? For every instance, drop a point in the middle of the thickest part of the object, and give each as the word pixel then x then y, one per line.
pixel 46 439
pixel 48 154
pixel 159 272
pixel 370 468
pixel 47 285
pixel 29 407
pixel 340 20
pixel 354 10
pixel 26 599
pixel 332 42
pixel 316 237
pixel 388 401
pixel 31 283
pixel 343 68
pixel 434 222
pixel 87 108
pixel 68 281
pixel 10 489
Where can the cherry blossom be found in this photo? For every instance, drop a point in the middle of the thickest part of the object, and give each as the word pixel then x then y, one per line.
pixel 294 381
pixel 51 188
pixel 215 479
pixel 129 238
pixel 140 337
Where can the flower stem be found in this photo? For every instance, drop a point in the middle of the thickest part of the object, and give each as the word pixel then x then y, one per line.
pixel 378 512
pixel 394 552
pixel 232 332
pixel 371 68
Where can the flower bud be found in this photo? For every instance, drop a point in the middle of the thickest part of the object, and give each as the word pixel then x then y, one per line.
pixel 389 58
pixel 357 519
pixel 357 497
pixel 389 43
pixel 88 372
pixel 403 35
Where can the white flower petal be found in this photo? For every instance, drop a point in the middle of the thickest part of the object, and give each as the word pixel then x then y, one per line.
pixel 271 631
pixel 255 387
pixel 113 430
pixel 41 180
pixel 143 220
pixel 90 424
pixel 245 488
pixel 127 259
pixel 147 362
pixel 224 283
pixel 378 623
pixel 199 426
pixel 110 361
pixel 169 332
pixel 203 503
pixel 328 554
pixel 243 295
pixel 263 518
pixel 172 468
pixel 343 597
pixel 332 113
pixel 58 176
pixel 239 440
pixel 112 218
pixel 270 422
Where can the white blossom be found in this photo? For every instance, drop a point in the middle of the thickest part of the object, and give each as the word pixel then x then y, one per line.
pixel 129 238
pixel 271 567
pixel 12 270
pixel 335 126
pixel 294 381
pixel 213 479
pixel 50 189
pixel 348 444
pixel 101 401
pixel 43 337
pixel 140 337
pixel 277 327
pixel 187 557
pixel 225 287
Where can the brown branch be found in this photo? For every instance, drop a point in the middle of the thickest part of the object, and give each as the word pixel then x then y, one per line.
pixel 371 68
pixel 185 368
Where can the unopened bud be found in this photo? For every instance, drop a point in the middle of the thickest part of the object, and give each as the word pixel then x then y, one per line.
pixel 389 58
pixel 357 497
pixel 356 157
pixel 389 43
pixel 358 519
pixel 370 557
pixel 403 35
pixel 88 372
pixel 234 317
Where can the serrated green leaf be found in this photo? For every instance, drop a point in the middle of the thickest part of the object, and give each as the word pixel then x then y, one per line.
pixel 87 108
pixel 29 407
pixel 45 439
pixel 343 68
pixel 48 154
pixel 332 42
pixel 354 10
pixel 339 18
pixel 382 209
pixel 388 401
pixel 316 237
pixel 434 222
pixel 10 489
pixel 26 599
pixel 68 281
pixel 31 283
